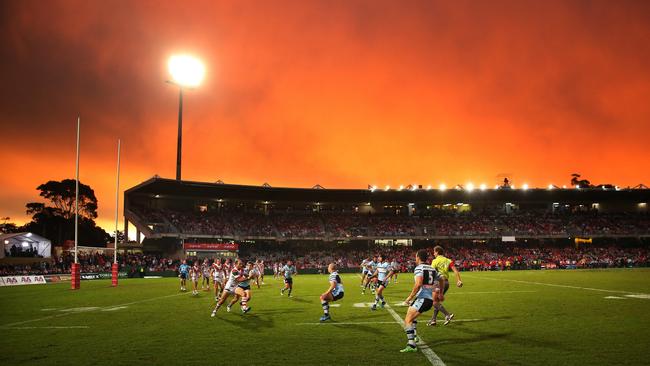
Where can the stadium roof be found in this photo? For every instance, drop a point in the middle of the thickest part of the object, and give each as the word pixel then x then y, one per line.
pixel 169 188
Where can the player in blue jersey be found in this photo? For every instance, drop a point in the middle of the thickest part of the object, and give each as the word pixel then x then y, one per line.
pixel 426 293
pixel 333 293
pixel 183 273
pixel 288 271
pixel 383 272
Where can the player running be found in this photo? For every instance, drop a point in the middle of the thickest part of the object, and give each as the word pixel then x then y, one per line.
pixel 183 273
pixel 288 271
pixel 195 272
pixel 426 291
pixel 383 273
pixel 333 293
pixel 234 278
pixel 442 264
pixel 218 277
pixel 364 271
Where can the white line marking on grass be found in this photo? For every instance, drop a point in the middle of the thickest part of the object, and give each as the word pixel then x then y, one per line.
pixel 335 305
pixel 564 286
pixel 115 308
pixel 615 297
pixel 426 350
pixel 639 296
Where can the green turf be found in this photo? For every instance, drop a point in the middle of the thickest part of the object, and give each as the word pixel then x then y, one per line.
pixel 523 324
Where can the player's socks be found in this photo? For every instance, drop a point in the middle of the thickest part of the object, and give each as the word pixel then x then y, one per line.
pixel 410 335
pixel 415 331
pixel 326 307
pixel 443 310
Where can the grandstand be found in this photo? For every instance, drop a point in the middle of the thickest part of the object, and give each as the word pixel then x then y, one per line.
pixel 202 216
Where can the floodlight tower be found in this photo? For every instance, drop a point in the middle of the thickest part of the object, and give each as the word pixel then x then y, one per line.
pixel 186 72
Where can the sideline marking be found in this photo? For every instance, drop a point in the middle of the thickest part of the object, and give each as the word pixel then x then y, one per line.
pixel 639 296
pixel 615 297
pixel 565 286
pixel 489 292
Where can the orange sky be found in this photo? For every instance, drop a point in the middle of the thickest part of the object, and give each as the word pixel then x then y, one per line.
pixel 341 93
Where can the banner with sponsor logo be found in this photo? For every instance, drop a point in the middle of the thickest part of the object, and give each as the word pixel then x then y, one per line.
pixel 211 246
pixel 21 280
pixel 101 276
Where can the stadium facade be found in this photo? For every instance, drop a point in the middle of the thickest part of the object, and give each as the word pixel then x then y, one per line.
pixel 159 209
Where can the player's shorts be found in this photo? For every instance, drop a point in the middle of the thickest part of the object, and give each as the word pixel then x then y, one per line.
pixel 217 279
pixel 244 287
pixel 195 278
pixel 183 276
pixel 288 281
pixel 338 296
pixel 421 305
pixel 371 276
pixel 383 283
pixel 364 272
pixel 230 288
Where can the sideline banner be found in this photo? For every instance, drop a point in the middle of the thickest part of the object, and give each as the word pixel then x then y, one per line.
pixel 21 280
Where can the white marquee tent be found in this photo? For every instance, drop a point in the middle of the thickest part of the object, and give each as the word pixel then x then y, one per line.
pixel 22 242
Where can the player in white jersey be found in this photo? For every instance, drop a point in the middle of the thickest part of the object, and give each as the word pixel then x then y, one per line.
pixel 395 267
pixel 276 270
pixel 334 292
pixel 370 278
pixel 383 273
pixel 257 268
pixel 195 273
pixel 426 292
pixel 234 278
pixel 262 266
pixel 205 272
pixel 364 271
pixel 243 289
pixel 218 277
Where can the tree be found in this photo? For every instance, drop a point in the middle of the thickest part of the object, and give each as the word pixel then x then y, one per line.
pixel 7 227
pixel 120 236
pixel 62 196
pixel 54 219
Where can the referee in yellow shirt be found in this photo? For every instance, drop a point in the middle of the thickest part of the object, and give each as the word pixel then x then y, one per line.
pixel 443 264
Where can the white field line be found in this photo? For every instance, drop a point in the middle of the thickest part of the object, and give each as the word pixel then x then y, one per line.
pixel 426 350
pixel 10 325
pixel 563 286
pixel 460 292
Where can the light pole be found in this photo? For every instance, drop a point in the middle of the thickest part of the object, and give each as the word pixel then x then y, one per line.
pixel 187 72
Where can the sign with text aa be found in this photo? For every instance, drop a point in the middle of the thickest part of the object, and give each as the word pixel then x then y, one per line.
pixel 211 246
pixel 21 280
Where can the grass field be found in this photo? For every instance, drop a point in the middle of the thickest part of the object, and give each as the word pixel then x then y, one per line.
pixel 579 317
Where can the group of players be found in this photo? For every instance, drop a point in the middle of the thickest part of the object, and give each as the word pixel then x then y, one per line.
pixel 233 278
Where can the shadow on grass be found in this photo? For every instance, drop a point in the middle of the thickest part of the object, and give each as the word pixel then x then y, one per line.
pixel 250 321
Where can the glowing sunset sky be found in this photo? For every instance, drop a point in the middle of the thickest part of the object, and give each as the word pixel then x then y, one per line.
pixel 341 93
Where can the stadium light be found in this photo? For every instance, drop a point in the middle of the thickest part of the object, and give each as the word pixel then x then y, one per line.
pixel 512 186
pixel 429 187
pixel 443 187
pixel 483 186
pixel 496 186
pixel 186 72
pixel 525 187
pixel 414 187
pixel 400 187
pixel 550 186
pixel 469 187
pixel 387 188
pixel 6 241
pixel 564 187
pixel 373 188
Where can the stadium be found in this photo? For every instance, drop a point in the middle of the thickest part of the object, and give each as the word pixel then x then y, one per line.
pixel 121 263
